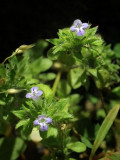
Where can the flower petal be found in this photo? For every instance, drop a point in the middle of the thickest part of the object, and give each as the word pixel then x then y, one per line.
pixel 34 89
pixel 77 22
pixel 43 127
pixel 48 120
pixel 73 28
pixel 39 93
pixel 28 95
pixel 84 25
pixel 41 117
pixel 34 97
pixel 36 122
pixel 80 32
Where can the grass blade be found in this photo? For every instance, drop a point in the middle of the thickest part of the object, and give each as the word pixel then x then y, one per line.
pixel 106 125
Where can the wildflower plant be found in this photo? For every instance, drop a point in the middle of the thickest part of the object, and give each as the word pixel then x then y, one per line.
pixel 35 93
pixel 79 26
pixel 42 121
pixel 61 95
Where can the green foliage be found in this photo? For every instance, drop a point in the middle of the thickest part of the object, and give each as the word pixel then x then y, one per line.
pixel 107 123
pixel 77 147
pixel 114 156
pixel 11 148
pixel 79 78
pixel 117 50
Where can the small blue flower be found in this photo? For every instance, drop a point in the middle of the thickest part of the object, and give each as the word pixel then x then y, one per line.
pixel 79 26
pixel 35 93
pixel 42 121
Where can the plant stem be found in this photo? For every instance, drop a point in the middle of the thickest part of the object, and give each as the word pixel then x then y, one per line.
pixel 8 58
pixel 56 82
pixel 102 100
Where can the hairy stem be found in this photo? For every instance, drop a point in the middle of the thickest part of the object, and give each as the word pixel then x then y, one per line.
pixel 56 82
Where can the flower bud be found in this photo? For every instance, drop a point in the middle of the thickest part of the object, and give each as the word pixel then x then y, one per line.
pixel 13 91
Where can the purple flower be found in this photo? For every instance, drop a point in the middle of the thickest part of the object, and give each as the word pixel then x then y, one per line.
pixel 79 26
pixel 35 93
pixel 42 121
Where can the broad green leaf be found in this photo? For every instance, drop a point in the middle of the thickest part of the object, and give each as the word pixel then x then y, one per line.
pixel 75 99
pixel 40 65
pixel 2 103
pixel 86 142
pixel 92 72
pixel 63 89
pixel 101 113
pixel 75 77
pixel 47 76
pixel 76 146
pixel 103 77
pixel 93 99
pixel 46 90
pixel 51 132
pixel 66 59
pixel 85 52
pixel 106 125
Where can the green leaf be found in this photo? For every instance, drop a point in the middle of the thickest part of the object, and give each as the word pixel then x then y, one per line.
pixel 21 123
pixel 27 128
pixel 91 31
pixel 86 142
pixel 11 148
pixel 116 91
pixel 75 99
pixel 93 99
pixel 51 55
pixel 20 114
pixel 117 50
pixel 92 72
pixel 59 110
pixel 54 41
pixel 66 59
pixel 76 147
pixel 46 90
pixel 32 81
pixel 75 77
pixel 114 156
pixel 62 115
pixel 40 65
pixel 47 76
pixel 103 77
pixel 100 113
pixel 51 132
pixel 106 125
pixel 64 89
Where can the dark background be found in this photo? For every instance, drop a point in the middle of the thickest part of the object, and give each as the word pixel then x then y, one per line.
pixel 25 22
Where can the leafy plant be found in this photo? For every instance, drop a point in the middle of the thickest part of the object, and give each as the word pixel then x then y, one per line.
pixel 69 93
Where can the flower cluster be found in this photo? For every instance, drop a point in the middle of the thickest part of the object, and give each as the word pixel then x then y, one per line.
pixel 42 121
pixel 35 93
pixel 79 26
